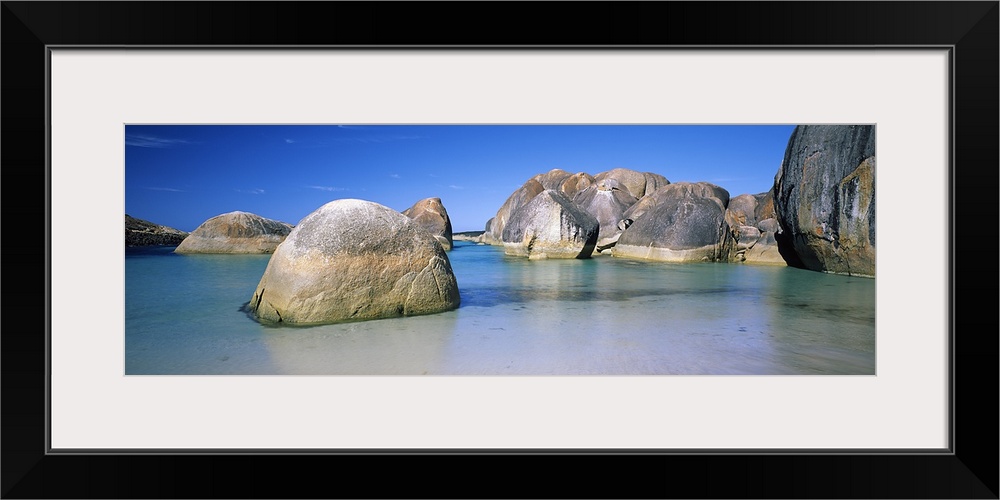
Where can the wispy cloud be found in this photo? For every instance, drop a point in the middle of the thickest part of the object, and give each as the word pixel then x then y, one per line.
pixel 289 141
pixel 149 141
pixel 250 191
pixel 455 187
pixel 172 190
pixel 394 176
pixel 327 188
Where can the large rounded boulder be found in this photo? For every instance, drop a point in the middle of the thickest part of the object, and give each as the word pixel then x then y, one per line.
pixel 716 193
pixel 236 233
pixel 431 215
pixel 550 226
pixel 681 222
pixel 824 197
pixel 515 201
pixel 355 260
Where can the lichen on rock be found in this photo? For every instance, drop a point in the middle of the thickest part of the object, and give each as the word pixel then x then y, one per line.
pixel 824 196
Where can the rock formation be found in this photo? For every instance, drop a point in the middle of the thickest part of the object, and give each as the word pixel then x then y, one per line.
pixel 236 233
pixel 355 260
pixel 431 215
pixel 553 178
pixel 824 197
pixel 516 200
pixel 637 183
pixel 471 236
pixel 687 221
pixel 575 183
pixel 680 222
pixel 139 233
pixel 748 238
pixel 604 196
pixel 550 226
pixel 489 237
pixel 697 189
pixel 607 201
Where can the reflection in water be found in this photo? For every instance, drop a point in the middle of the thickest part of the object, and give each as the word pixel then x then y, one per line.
pixel 827 325
pixel 601 316
pixel 395 346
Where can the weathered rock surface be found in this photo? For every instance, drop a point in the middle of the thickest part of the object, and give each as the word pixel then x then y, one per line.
pixel 553 178
pixel 605 245
pixel 697 189
pixel 575 183
pixel 431 215
pixel 607 202
pixel 355 260
pixel 235 232
pixel 765 249
pixel 765 206
pixel 516 200
pixel 746 238
pixel 489 237
pixel 140 233
pixel 550 226
pixel 824 196
pixel 681 222
pixel 637 183
pixel 605 196
pixel 742 210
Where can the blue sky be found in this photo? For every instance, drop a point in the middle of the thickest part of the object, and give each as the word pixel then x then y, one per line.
pixel 182 175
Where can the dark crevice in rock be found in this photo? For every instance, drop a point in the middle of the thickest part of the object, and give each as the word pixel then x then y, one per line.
pixel 257 298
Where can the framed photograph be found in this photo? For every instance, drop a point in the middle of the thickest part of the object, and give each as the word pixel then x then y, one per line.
pixel 866 385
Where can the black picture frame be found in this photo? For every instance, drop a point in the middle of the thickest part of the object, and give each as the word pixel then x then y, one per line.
pixel 969 470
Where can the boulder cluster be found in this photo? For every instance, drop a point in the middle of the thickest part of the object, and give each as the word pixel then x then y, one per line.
pixel 348 260
pixel 355 260
pixel 819 214
pixel 624 213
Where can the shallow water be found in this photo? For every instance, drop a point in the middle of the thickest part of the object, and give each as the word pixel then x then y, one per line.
pixel 600 316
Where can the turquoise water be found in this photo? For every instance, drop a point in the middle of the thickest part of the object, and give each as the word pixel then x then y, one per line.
pixel 600 316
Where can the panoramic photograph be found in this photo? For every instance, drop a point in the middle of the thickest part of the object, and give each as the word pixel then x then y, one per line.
pixel 536 249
